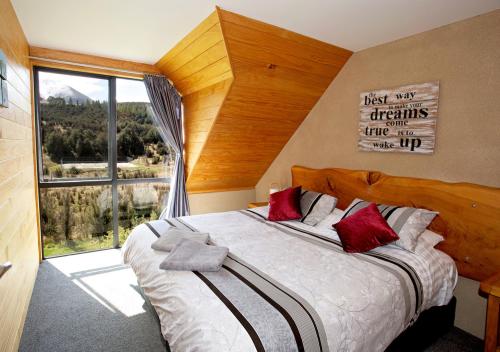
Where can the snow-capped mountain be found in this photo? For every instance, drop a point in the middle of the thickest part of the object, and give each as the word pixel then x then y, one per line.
pixel 63 91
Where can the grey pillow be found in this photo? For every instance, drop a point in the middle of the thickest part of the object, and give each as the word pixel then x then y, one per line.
pixel 316 206
pixel 167 241
pixel 409 223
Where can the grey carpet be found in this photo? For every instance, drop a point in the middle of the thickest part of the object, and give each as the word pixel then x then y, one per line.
pixel 457 341
pixel 63 317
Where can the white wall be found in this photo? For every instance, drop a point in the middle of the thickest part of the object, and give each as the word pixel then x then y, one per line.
pixel 471 308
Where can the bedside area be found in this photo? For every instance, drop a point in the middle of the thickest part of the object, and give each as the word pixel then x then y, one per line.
pixel 490 288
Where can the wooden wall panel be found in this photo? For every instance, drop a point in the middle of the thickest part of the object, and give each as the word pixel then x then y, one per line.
pixel 213 54
pixel 211 74
pixel 193 36
pixel 246 87
pixel 204 50
pixel 201 71
pixel 18 214
pixel 278 76
pixel 200 111
pixel 199 60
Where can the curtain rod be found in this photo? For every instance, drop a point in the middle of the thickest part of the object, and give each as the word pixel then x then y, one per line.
pixel 96 66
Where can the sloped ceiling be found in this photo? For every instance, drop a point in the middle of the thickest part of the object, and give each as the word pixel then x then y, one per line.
pixel 247 86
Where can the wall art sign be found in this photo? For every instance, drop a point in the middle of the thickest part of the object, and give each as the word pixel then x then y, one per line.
pixel 401 119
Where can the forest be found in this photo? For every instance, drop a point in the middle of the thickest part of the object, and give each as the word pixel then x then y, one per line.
pixel 74 139
pixel 78 133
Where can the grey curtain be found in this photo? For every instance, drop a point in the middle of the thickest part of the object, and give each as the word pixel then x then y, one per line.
pixel 166 106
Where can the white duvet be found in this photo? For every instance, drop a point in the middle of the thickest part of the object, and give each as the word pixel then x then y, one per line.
pixel 361 305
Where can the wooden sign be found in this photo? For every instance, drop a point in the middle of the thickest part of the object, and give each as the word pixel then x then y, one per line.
pixel 400 119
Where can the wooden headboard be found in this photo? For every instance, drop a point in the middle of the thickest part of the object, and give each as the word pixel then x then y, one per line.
pixel 469 214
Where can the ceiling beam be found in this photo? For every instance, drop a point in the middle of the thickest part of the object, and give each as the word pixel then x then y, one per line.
pixel 69 59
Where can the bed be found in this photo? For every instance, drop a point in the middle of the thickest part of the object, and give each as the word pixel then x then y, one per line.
pixel 288 286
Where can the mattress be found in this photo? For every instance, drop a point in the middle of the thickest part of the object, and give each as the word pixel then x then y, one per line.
pixel 364 301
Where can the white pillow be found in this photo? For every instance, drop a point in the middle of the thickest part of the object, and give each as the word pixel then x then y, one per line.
pixel 429 238
pixel 331 219
pixel 315 206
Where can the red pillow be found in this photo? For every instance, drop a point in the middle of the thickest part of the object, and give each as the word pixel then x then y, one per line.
pixel 364 230
pixel 285 205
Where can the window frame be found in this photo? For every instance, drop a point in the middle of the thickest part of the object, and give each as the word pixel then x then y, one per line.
pixel 112 178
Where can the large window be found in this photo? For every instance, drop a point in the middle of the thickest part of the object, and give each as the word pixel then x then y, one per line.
pixel 103 166
pixel 141 152
pixel 75 219
pixel 74 126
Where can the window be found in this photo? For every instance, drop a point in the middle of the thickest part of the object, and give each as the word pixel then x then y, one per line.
pixel 76 219
pixel 139 203
pixel 103 168
pixel 141 151
pixel 75 129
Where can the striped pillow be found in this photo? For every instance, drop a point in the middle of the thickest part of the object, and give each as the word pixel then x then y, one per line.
pixel 408 223
pixel 316 206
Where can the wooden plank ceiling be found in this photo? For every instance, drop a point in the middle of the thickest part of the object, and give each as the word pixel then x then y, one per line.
pixel 246 86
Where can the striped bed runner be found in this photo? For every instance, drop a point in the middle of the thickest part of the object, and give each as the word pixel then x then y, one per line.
pixel 275 318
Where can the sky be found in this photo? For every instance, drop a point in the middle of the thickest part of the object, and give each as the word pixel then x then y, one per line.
pixel 127 90
pixel 130 90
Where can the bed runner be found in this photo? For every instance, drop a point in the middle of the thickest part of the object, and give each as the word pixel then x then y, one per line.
pixel 275 318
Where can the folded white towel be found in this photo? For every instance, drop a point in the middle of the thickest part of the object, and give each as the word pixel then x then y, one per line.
pixel 190 255
pixel 167 241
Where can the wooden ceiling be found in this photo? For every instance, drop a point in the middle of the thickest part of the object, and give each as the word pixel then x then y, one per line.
pixel 246 88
